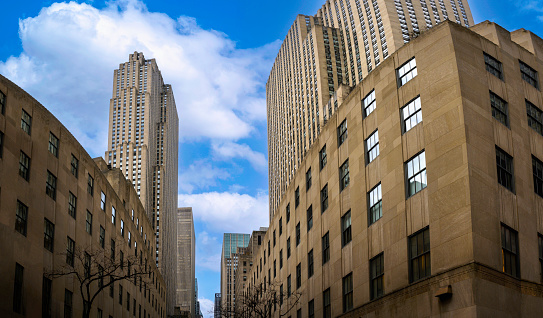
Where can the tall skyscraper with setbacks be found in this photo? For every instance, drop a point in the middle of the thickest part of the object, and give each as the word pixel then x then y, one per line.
pixel 143 143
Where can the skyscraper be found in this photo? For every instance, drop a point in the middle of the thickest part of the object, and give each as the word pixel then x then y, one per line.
pixel 143 143
pixel 230 243
pixel 186 261
pixel 341 44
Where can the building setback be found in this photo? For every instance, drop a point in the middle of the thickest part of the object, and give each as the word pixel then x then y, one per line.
pixel 231 242
pixel 56 203
pixel 186 256
pixel 143 143
pixel 423 194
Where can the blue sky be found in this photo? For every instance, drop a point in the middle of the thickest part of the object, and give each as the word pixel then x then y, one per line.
pixel 217 56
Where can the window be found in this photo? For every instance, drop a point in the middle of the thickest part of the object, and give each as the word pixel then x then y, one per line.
pixel 288 247
pixel 348 292
pixel 102 200
pixel 274 241
pixel 120 294
pixel 297 197
pixel 342 132
pixel 2 102
pixel 540 244
pixel 504 165
pixel 274 268
pixel 375 199
pixel 308 179
pixel 344 175
pixel 70 249
pixel 510 259
pixel 377 271
pixel 493 66
pixel 280 226
pixel 74 166
pixel 419 255
pixel 113 214
pixel 326 248
pixel 311 309
pixel 289 288
pixel 310 269
pixel 288 213
pixel 122 228
pixel 68 297
pixel 309 218
pixel 24 166
pixel 299 313
pixel 537 168
pixel 112 244
pixel 128 301
pixel 372 147
pixel 48 235
pixel 298 234
pixel 324 198
pixel 46 298
pixel 280 259
pixel 281 295
pixel 26 122
pixel 326 306
pixel 322 157
pixel 88 223
pixel 298 275
pixel 102 238
pixel 90 185
pixel 51 185
pixel 1 143
pixel 406 72
pixel 528 74
pixel 499 109
pixel 415 169
pixel 346 228
pixel 53 144
pixel 411 114
pixel 87 265
pixel 72 204
pixel 18 289
pixel 535 117
pixel 369 103
pixel 21 218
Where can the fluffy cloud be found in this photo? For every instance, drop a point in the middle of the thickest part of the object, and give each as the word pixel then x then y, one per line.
pixel 70 51
pixel 228 212
pixel 208 252
pixel 206 306
pixel 231 150
pixel 201 175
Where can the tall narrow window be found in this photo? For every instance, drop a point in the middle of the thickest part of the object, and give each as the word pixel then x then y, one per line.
pixel 324 198
pixel 24 166
pixel 510 258
pixel 289 287
pixel 375 199
pixel 102 238
pixel 504 165
pixel 415 169
pixel 419 255
pixel 309 218
pixel 326 248
pixel 344 175
pixel 535 117
pixel 90 185
pixel 288 247
pixel 540 244
pixel 280 226
pixel 372 147
pixel 411 114
pixel 21 217
pixel 308 179
pixel 26 122
pixel 377 271
pixel 18 289
pixel 297 197
pixel 113 215
pixel 102 200
pixel 346 228
pixel 499 109
pixel 70 250
pixel 529 74
pixel 68 298
pixel 298 233
pixel 74 166
pixel 122 228
pixel 46 298
pixel 288 212
pixel 88 223
pixel 51 185
pixel 2 102
pixel 322 157
pixel 537 169
pixel 48 235
pixel 311 309
pixel 112 245
pixel 310 269
pixel 369 103
pixel 87 265
pixel 348 292
pixel 493 66
pixel 53 144
pixel 280 259
pixel 298 275
pixel 407 72
pixel 342 132
pixel 326 305
pixel 1 143
pixel 72 204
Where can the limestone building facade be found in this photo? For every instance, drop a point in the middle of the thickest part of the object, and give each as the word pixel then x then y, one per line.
pixel 143 143
pixel 57 203
pixel 186 255
pixel 423 193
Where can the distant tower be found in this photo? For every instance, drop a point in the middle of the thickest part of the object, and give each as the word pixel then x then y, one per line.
pixel 217 306
pixel 143 143
pixel 230 243
pixel 185 261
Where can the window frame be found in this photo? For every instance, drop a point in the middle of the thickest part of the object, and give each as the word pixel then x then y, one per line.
pixel 298 234
pixel 309 216
pixel 409 113
pixel 347 292
pixel 540 248
pixel 375 196
pixel 70 251
pixel 90 185
pixel 377 273
pixel 346 233
pixel 501 115
pixel 496 70
pixel 503 175
pixel 322 157
pixel 326 304
pixel 402 72
pixel 417 255
pixel 299 275
pixel 529 78
pixel 344 179
pixel 371 147
pixel 48 235
pixel 308 180
pixel 325 243
pixel 537 172
pixel 342 134
pixel 72 208
pixel 51 185
pixel 421 172
pixel 24 166
pixel 54 143
pixel 297 197
pixel 310 264
pixel 369 103
pixel 21 218
pixel 88 223
pixel 74 166
pixel 511 251
pixel 535 117
pixel 26 123
pixel 3 99
pixel 324 198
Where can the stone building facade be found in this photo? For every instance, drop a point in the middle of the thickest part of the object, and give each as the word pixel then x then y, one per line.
pixel 186 256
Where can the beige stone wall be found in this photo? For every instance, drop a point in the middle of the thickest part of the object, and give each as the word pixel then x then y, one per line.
pixel 29 250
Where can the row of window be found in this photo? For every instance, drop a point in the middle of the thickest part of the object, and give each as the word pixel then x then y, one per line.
pixel 495 67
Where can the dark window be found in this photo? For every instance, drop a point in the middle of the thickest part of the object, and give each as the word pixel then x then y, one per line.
pixel 100 276
pixel 310 269
pixel 344 175
pixel 369 103
pixel 419 255
pixel 26 122
pixel 510 258
pixel 280 226
pixel 342 132
pixel 120 294
pixel 309 218
pixel 72 204
pixel 298 275
pixel 346 228
pixel 21 218
pixel 407 72
pixel 281 295
pixel 1 143
pixel 113 215
pixel 298 232
pixel 415 169
pixel 102 238
pixel 540 244
pixel 128 301
pixel 411 114
pixel 504 165
pixel 2 102
pixel 46 298
pixel 528 74
pixel 377 271
pixel 311 309
pixel 87 265
pixel 299 313
pixel 24 166
pixel 88 223
pixel 375 200
pixel 535 117
pixel 324 198
pixel 326 306
pixel 289 288
pixel 51 185
pixel 297 197
pixel 53 144
pixel 90 185
pixel 18 289
pixel 493 66
pixel 326 248
pixel 322 157
pixel 372 147
pixel 74 166
pixel 348 292
pixel 70 250
pixel 112 244
pixel 274 241
pixel 68 298
pixel 280 259
pixel 102 200
pixel 499 109
pixel 274 268
pixel 48 235
pixel 288 213
pixel 537 168
pixel 288 247
pixel 308 179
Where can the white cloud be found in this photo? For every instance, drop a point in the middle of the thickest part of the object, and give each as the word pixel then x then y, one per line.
pixel 231 150
pixel 206 307
pixel 208 252
pixel 228 212
pixel 201 175
pixel 70 51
